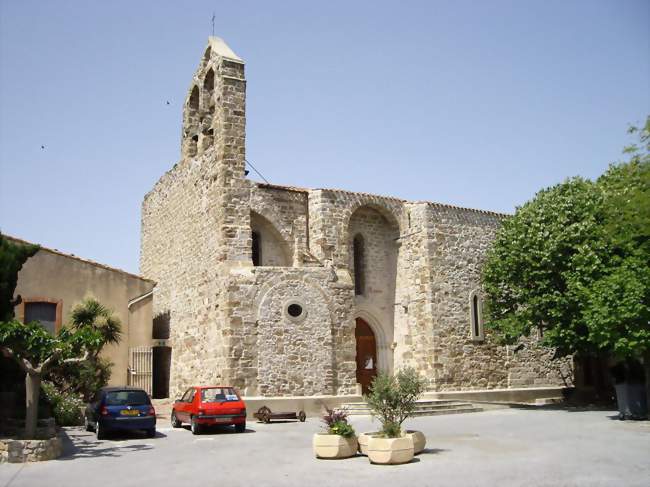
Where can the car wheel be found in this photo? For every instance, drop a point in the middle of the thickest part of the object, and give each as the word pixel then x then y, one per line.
pixel 195 427
pixel 87 425
pixel 151 432
pixel 100 431
pixel 240 428
pixel 175 421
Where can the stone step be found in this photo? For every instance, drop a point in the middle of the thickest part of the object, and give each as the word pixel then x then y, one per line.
pixel 448 411
pixel 425 402
pixel 423 408
pixel 460 407
pixel 419 405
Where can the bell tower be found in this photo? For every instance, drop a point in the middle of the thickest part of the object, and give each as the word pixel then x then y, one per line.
pixel 214 132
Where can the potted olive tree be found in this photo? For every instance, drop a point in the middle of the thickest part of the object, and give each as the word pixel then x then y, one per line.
pixel 338 440
pixel 392 399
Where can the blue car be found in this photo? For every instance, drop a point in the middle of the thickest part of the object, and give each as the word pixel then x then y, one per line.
pixel 120 408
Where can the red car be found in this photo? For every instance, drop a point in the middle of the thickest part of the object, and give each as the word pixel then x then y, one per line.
pixel 209 405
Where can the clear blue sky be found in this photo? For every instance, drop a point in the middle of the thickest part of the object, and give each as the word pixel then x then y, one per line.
pixel 478 104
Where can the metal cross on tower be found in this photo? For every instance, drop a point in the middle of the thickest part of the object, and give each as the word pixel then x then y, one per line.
pixel 213 17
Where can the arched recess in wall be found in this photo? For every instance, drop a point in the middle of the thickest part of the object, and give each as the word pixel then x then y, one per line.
pixel 372 250
pixel 194 98
pixel 376 303
pixel 208 81
pixel 268 246
pixel 476 316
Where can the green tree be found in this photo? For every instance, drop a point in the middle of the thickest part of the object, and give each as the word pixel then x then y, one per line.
pixel 392 399
pixel 12 258
pixel 37 351
pixel 575 262
pixel 540 260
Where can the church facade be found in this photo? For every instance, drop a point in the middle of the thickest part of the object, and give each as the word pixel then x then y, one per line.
pixel 284 291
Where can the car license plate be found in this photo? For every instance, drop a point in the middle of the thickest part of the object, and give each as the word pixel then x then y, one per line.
pixel 129 412
pixel 222 420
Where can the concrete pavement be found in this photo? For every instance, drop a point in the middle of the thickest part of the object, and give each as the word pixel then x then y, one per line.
pixel 506 447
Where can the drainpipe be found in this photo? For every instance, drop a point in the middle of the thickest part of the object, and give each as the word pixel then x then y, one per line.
pixel 139 298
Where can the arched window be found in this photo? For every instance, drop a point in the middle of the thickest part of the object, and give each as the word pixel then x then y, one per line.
pixel 358 251
pixel 208 81
pixel 194 98
pixel 257 248
pixel 476 316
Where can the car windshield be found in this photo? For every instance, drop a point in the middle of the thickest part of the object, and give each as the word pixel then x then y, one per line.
pixel 126 398
pixel 218 394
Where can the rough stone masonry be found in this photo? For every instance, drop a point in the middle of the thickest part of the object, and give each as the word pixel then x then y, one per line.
pixel 265 285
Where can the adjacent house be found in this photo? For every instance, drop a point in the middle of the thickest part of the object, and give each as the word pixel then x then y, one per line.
pixel 51 283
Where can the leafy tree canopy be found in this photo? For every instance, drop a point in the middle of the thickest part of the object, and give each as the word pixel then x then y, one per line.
pixel 575 262
pixel 12 258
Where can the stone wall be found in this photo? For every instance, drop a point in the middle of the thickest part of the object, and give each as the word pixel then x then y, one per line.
pixel 440 343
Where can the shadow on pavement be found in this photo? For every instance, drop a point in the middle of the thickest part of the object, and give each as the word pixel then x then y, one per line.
pixel 432 451
pixel 569 408
pixel 82 444
pixel 217 429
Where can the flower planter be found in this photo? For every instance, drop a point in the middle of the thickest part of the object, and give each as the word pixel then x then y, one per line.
pixel 419 440
pixel 363 441
pixel 334 446
pixel 390 451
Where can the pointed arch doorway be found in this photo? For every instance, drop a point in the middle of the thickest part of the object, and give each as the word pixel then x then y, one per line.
pixel 366 354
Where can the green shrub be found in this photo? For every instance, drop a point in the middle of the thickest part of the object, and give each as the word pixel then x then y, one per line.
pixel 66 407
pixel 392 399
pixel 336 423
pixel 342 428
pixel 83 379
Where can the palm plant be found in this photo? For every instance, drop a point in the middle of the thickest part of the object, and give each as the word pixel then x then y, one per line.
pixel 91 314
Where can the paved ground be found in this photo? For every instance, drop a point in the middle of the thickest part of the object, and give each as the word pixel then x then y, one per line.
pixel 507 447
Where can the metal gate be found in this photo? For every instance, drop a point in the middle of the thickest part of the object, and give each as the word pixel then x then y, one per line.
pixel 140 368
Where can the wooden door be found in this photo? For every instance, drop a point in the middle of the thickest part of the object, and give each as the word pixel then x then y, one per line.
pixel 366 355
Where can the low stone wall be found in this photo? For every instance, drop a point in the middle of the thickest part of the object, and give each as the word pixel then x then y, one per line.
pixel 22 451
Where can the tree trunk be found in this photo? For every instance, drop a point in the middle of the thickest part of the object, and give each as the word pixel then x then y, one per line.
pixel 32 393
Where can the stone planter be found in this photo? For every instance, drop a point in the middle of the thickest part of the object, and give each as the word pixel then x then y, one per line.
pixel 363 441
pixel 22 451
pixel 390 451
pixel 334 446
pixel 419 440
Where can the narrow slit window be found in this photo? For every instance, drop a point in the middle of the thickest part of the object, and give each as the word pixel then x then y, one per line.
pixel 476 319
pixel 256 249
pixel 358 251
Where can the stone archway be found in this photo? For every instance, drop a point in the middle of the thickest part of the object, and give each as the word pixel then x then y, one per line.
pixel 366 354
pixel 383 340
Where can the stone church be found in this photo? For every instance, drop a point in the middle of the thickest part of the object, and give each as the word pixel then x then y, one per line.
pixel 285 291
